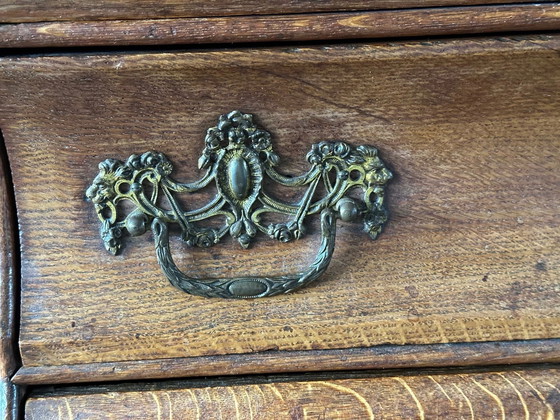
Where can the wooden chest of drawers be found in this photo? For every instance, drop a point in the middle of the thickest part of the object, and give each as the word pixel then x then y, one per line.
pixel 466 273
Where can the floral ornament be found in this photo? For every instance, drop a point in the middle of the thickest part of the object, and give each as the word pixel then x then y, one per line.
pixel 203 238
pixel 214 139
pixel 374 221
pixel 286 232
pixel 111 236
pixel 237 135
pixel 260 140
pixel 321 152
pixel 150 160
pixel 235 119
pixel 243 230
pixel 237 129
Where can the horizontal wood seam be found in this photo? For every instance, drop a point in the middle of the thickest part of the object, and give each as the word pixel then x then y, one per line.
pixel 379 357
pixel 66 10
pixel 333 12
pixel 435 21
pixel 231 381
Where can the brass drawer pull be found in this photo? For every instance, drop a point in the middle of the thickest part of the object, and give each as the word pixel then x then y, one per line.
pixel 237 156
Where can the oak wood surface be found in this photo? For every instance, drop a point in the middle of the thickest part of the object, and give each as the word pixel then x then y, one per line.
pixel 514 394
pixel 301 27
pixel 65 10
pixel 378 357
pixel 471 254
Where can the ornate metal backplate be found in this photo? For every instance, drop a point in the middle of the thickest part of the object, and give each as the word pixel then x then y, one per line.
pixel 237 157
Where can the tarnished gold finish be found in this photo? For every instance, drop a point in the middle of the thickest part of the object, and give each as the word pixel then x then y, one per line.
pixel 237 156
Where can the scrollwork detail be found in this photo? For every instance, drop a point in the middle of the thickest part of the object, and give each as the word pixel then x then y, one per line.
pixel 237 156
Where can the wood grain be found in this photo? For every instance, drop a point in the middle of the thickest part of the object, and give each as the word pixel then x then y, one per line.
pixel 498 395
pixel 69 10
pixel 379 357
pixel 471 254
pixel 303 27
pixel 9 293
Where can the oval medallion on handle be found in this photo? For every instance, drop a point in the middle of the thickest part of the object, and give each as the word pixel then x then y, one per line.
pixel 238 176
pixel 246 288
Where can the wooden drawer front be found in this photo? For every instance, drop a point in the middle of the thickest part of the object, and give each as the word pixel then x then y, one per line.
pixel 499 394
pixel 64 10
pixel 471 253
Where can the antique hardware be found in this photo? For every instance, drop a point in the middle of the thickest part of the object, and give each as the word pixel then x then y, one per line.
pixel 237 156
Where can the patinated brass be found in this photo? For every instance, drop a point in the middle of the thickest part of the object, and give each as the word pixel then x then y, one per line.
pixel 237 156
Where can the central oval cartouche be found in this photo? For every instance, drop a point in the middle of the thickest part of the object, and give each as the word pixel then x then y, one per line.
pixel 238 174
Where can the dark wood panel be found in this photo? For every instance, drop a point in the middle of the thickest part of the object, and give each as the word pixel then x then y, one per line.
pixel 513 394
pixel 304 27
pixel 470 128
pixel 64 10
pixel 379 357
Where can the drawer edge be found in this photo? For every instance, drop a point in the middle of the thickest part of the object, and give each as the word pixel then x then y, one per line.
pixel 522 392
pixel 288 28
pixel 10 394
pixel 378 357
